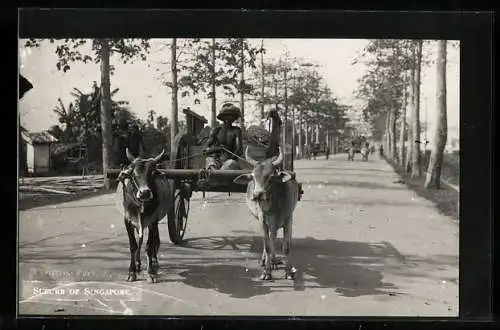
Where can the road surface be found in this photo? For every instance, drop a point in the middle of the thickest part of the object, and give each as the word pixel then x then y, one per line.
pixel 364 245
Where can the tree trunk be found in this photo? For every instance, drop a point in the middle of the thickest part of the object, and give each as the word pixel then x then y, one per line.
pixel 441 133
pixel 107 137
pixel 213 119
pixel 174 121
pixel 411 138
pixel 301 144
pixel 276 95
pixel 402 130
pixel 242 90
pixel 263 82
pixel 394 152
pixel 416 170
pixel 285 127
pixel 387 139
pixel 306 135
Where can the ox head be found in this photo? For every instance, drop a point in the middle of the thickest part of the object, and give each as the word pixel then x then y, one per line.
pixel 141 173
pixel 263 175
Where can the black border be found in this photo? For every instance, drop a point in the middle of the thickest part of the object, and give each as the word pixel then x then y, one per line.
pixel 473 29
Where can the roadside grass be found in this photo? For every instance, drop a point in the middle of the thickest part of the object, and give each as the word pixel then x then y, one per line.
pixel 445 199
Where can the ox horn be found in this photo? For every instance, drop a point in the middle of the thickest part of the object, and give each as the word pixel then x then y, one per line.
pixel 130 157
pixel 162 156
pixel 249 158
pixel 278 160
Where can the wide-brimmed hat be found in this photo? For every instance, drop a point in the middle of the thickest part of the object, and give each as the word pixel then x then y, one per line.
pixel 229 110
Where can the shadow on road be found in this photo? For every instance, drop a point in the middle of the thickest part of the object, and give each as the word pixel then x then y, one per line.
pixel 342 266
pixel 229 265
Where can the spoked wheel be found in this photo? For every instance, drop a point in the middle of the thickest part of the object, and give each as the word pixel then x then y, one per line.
pixel 178 215
pixel 178 221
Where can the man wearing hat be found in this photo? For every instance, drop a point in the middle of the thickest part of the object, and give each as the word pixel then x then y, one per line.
pixel 225 142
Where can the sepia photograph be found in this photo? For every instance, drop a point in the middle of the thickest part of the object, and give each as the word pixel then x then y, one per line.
pixel 239 177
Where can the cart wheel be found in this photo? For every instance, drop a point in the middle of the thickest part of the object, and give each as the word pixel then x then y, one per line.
pixel 178 221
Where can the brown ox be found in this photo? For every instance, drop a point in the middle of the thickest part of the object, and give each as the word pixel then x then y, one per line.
pixel 143 197
pixel 272 196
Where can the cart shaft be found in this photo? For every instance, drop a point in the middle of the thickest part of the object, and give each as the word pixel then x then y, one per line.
pixel 189 174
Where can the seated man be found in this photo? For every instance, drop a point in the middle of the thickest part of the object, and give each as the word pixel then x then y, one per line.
pixel 225 142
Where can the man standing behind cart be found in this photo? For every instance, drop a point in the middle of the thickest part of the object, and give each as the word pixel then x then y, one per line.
pixel 225 142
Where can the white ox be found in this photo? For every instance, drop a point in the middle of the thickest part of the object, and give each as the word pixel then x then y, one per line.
pixel 272 196
pixel 144 198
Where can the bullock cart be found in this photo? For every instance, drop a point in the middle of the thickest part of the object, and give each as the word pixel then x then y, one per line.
pixel 186 169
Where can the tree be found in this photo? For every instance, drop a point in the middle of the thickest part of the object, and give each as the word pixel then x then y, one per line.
pixel 57 132
pixel 162 123
pixel 175 105
pixel 383 86
pixel 402 130
pixel 198 73
pixel 416 169
pixel 81 119
pixel 238 54
pixel 441 132
pixel 213 83
pixel 101 50
pixel 306 92
pixel 263 82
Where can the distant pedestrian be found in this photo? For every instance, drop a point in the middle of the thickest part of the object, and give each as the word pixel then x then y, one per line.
pixel 327 152
pixel 381 151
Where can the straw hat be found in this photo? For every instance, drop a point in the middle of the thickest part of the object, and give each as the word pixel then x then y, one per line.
pixel 229 110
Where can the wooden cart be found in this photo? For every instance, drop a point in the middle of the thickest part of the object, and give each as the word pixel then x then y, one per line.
pixel 188 174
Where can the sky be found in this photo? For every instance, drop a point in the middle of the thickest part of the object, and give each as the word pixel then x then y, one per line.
pixel 140 83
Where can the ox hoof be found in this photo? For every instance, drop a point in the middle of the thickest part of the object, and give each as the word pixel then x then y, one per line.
pixel 132 277
pixel 153 278
pixel 266 277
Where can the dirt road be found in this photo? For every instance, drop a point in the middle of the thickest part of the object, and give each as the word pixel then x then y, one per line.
pixel 363 245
